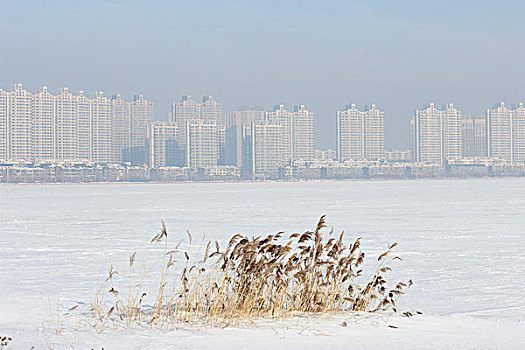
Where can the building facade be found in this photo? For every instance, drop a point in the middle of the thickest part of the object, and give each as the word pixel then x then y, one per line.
pixel 141 116
pixel 519 134
pixel 43 127
pixel 436 135
pixel 235 122
pixel 19 123
pixel 374 143
pixel 202 144
pixel 297 132
pixel 397 156
pixel 210 110
pixel 302 134
pixel 506 132
pixel 452 132
pixel 182 112
pixel 360 134
pixel 101 128
pixel 263 146
pixel 474 130
pixel 84 127
pixel 161 144
pixel 4 121
pixel 281 116
pixel 188 111
pixel 120 128
pixel 325 155
pixel 66 125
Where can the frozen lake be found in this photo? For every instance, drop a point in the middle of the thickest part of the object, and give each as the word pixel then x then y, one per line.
pixel 463 241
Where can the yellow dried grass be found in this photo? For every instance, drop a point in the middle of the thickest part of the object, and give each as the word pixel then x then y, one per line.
pixel 252 278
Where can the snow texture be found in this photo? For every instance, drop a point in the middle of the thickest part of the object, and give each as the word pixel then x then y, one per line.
pixel 463 244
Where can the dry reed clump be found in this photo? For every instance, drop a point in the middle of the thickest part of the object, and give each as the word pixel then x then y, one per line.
pixel 270 276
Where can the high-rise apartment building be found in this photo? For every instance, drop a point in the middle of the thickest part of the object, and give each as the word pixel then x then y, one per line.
pixel 281 116
pixel 211 110
pixel 221 144
pixel 84 127
pixel 129 122
pixel 43 125
pixel 302 134
pixel 4 121
pixel 519 133
pixel 426 143
pixel 202 143
pixel 263 146
pixel 360 134
pixel 120 128
pixel 187 110
pixel 66 137
pixel 19 123
pixel 499 126
pixel 47 127
pixel 436 134
pixel 162 147
pixel 506 132
pixel 350 134
pixel 474 136
pixel 129 125
pixel 101 128
pixel 452 131
pixel 235 121
pixel 297 132
pixel 141 117
pixel 374 133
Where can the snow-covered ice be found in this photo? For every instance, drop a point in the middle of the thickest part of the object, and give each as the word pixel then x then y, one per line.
pixel 463 244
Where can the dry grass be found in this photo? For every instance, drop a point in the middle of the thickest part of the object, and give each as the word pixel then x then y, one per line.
pixel 251 278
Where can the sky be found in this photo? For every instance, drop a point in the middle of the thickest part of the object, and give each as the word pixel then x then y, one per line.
pixel 399 55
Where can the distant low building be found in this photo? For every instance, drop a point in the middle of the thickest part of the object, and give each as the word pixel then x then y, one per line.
pixel 223 171
pixel 397 156
pixel 325 155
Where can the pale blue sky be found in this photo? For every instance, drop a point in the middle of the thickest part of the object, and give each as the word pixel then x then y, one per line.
pixel 325 54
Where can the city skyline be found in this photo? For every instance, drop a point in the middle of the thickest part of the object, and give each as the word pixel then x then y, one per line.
pixel 321 141
pixel 168 115
pixel 42 127
pixel 398 55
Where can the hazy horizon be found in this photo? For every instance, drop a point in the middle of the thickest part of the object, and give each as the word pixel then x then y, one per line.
pixel 322 54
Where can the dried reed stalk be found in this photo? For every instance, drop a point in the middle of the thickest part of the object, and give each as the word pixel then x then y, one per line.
pixel 269 276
